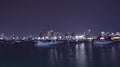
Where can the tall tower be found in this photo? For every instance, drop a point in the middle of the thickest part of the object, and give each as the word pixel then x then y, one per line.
pixel 50 34
pixel 88 33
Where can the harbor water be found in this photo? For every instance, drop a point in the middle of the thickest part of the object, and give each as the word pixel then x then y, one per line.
pixel 63 55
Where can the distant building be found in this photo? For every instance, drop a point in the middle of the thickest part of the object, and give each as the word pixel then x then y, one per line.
pixel 88 33
pixel 50 34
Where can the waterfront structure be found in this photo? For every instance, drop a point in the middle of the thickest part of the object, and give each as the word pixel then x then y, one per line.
pixel 51 35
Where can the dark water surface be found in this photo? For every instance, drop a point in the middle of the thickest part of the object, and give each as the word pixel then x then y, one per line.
pixel 64 55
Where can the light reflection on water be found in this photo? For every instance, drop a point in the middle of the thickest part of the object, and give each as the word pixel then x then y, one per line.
pixel 113 56
pixel 64 55
pixel 81 55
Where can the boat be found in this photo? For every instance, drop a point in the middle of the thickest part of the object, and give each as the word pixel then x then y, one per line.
pixel 116 39
pixel 6 42
pixel 47 43
pixel 102 42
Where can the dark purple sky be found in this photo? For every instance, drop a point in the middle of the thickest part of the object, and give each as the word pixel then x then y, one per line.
pixel 30 16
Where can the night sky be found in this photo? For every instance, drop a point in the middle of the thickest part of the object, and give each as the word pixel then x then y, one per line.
pixel 30 16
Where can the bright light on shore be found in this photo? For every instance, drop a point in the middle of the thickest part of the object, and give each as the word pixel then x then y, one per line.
pixel 80 37
pixel 38 38
pixel 102 38
pixel 115 38
pixel 1 38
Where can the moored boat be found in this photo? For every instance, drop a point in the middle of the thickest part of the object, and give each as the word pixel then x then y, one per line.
pixel 47 43
pixel 102 42
pixel 116 39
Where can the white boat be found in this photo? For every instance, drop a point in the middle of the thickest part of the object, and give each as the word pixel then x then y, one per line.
pixel 46 44
pixel 102 42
